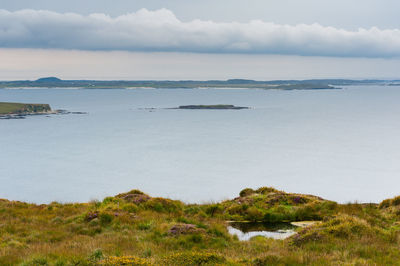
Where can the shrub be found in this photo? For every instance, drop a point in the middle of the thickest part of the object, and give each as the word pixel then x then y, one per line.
pixel 196 238
pixel 133 191
pixel 144 226
pixel 328 206
pixel 246 192
pixel 273 217
pixel 147 253
pixel 96 203
pixel 163 205
pixel 184 220
pixel 266 190
pixel 105 218
pixel 130 207
pixel 125 260
pixel 96 256
pixel 304 213
pixel 306 235
pixel 297 199
pixel 385 204
pixel 91 216
pixel 218 231
pixel 254 214
pixel 179 229
pixel 192 209
pixel 390 202
pixel 57 220
pixel 194 258
pixel 37 262
pixel 134 196
pixel 213 209
pixel 237 209
pixel 346 226
pixel 60 262
pixel 109 200
pixel 396 201
pixel 267 260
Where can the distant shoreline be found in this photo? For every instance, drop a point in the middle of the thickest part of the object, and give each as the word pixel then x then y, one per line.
pixel 282 87
pixel 311 84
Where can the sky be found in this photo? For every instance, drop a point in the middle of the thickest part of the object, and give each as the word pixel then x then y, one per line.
pixel 181 39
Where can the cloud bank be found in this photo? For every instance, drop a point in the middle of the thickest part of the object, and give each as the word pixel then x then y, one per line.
pixel 162 31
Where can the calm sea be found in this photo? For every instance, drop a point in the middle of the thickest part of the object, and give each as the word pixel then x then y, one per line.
pixel 343 145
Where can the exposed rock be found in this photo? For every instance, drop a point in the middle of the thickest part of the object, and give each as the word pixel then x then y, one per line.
pixel 213 107
pixel 134 196
pixel 245 200
pixel 306 235
pixel 304 224
pixel 179 229
pixel 91 215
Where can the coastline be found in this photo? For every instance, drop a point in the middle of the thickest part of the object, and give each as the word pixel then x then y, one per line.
pixel 9 110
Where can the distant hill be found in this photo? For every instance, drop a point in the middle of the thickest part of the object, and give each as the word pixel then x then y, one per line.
pixel 48 79
pixel 240 81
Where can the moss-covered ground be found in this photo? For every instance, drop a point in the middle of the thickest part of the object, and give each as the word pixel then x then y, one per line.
pixel 136 229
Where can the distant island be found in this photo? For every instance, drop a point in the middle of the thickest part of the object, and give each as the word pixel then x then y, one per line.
pixel 213 107
pixel 310 84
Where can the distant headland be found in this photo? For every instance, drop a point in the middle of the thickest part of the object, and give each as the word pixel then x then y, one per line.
pixel 21 110
pixel 311 84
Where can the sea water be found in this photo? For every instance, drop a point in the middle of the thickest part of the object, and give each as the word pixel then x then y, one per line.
pixel 342 145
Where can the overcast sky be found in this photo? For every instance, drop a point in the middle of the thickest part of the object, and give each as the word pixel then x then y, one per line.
pixel 208 39
pixel 349 14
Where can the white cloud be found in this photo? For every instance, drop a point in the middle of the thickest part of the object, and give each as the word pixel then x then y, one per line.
pixel 161 31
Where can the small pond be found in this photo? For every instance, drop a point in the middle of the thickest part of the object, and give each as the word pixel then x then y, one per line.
pixel 246 230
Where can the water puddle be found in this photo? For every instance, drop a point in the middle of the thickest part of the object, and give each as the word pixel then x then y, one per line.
pixel 246 230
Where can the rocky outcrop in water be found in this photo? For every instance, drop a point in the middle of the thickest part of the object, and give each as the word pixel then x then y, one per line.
pixel 213 107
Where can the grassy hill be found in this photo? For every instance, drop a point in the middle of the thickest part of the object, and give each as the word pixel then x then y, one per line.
pixel 134 228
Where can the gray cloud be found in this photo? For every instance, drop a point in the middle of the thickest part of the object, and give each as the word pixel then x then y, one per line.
pixel 161 30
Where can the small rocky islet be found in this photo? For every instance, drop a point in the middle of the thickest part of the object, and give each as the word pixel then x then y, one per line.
pixel 212 107
pixel 201 107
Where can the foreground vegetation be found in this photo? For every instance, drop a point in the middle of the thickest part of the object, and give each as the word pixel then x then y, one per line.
pixel 23 108
pixel 136 229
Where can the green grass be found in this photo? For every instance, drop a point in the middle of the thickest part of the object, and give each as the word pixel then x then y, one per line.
pixel 22 108
pixel 136 229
